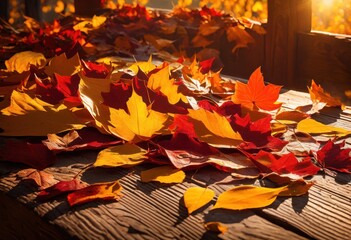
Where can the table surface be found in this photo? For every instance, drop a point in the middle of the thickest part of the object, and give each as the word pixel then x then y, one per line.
pixel 156 211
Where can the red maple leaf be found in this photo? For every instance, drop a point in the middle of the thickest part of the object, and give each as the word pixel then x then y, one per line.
pixel 256 134
pixel 60 188
pixel 332 156
pixel 285 164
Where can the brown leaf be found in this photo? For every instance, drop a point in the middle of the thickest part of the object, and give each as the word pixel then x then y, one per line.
pixel 39 178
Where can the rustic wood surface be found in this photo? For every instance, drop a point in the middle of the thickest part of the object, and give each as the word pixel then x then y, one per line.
pixel 157 211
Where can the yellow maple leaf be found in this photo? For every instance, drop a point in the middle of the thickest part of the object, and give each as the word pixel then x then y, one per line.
pixel 141 119
pixel 29 116
pixel 161 81
pixel 125 155
pixel 197 197
pixel 146 67
pixel 163 174
pixel 214 128
pixel 21 61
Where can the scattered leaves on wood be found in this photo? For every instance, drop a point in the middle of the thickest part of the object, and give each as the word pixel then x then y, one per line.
pixel 98 191
pixel 41 179
pixel 163 174
pixel 197 197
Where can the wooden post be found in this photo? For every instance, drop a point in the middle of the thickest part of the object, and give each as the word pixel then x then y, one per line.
pixel 4 14
pixel 87 7
pixel 285 19
pixel 33 9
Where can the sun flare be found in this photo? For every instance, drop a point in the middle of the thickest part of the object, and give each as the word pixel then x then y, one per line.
pixel 327 2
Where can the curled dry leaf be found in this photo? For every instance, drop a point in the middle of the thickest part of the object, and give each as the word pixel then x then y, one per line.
pixel 164 174
pixel 247 197
pixel 99 191
pixel 61 188
pixel 21 61
pixel 187 152
pixel 197 197
pixel 85 138
pixel 318 94
pixel 125 155
pixel 39 178
pixel 291 117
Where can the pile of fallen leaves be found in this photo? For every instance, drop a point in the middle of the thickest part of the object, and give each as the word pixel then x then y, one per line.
pixel 133 31
pixel 179 115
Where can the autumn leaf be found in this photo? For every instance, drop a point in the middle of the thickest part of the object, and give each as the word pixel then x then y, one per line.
pixel 240 36
pixel 256 134
pixel 197 197
pixel 86 138
pixel 214 129
pixel 98 191
pixel 285 164
pixel 163 174
pixel 35 155
pixel 216 227
pixel 186 152
pixel 60 188
pixel 290 117
pixel 141 121
pixel 63 66
pixel 334 156
pixel 312 126
pixel 248 197
pixel 145 67
pixel 125 155
pixel 318 94
pixel 21 61
pixel 160 81
pixel 43 118
pixel 39 178
pixel 88 25
pixel 255 94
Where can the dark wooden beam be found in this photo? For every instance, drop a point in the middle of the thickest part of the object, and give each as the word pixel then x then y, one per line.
pixel 33 9
pixel 286 18
pixel 4 14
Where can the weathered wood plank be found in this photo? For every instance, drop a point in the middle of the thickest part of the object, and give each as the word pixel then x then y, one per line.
pixel 147 210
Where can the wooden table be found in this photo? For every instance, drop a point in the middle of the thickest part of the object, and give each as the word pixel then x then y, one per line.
pixel 156 211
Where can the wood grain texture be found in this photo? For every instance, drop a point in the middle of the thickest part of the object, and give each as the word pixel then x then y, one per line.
pixel 285 19
pixel 147 210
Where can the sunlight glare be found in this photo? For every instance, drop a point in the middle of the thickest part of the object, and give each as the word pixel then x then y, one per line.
pixel 327 2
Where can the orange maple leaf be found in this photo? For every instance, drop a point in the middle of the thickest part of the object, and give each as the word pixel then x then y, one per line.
pixel 255 94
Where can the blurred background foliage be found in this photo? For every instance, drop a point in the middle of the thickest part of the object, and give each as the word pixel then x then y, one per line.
pixel 327 15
